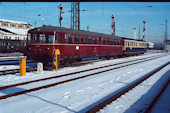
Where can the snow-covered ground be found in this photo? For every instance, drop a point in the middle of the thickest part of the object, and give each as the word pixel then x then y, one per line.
pixel 163 105
pixel 80 95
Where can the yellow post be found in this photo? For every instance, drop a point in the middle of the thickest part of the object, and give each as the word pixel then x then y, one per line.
pixel 56 53
pixel 22 66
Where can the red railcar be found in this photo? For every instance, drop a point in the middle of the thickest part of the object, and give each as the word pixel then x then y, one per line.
pixel 73 44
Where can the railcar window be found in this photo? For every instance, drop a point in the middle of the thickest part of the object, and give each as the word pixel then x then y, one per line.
pixel 114 42
pixel 104 41
pixel 118 42
pixel 111 42
pixel 89 39
pixel 83 39
pixel 94 40
pixel 129 43
pixel 69 38
pixel 108 41
pixel 76 39
pixel 5 37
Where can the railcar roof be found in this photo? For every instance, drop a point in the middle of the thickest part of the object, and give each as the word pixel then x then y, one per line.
pixel 69 30
pixel 131 39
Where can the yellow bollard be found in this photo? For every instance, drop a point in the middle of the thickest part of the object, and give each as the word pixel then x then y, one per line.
pixel 22 66
pixel 56 54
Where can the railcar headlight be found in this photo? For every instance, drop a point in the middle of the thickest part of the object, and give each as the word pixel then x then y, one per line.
pixel 48 48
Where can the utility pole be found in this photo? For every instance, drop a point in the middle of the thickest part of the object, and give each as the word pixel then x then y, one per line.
pixel 113 25
pixel 144 29
pixel 87 28
pixel 166 34
pixel 166 30
pixel 139 32
pixel 60 18
pixel 35 24
pixel 134 33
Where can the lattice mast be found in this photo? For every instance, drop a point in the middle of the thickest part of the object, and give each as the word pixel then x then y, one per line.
pixel 75 15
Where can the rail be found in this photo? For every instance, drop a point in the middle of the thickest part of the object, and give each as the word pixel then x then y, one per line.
pixel 120 93
pixel 61 82
pixel 22 60
pixel 12 58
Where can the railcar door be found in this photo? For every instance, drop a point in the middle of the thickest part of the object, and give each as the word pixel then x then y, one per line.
pixel 99 46
pixel 95 47
pixel 61 45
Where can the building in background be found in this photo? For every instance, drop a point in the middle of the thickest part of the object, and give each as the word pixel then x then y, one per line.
pixel 13 35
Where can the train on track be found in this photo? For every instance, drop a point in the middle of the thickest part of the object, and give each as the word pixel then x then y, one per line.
pixel 8 45
pixel 77 44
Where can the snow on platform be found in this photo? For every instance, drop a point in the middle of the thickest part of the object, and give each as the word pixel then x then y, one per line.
pixel 76 96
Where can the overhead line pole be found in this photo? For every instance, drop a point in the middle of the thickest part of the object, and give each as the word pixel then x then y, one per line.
pixel 166 34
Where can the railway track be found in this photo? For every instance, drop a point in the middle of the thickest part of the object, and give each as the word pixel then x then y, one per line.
pixel 29 69
pixel 127 89
pixel 13 71
pixel 68 80
pixel 14 62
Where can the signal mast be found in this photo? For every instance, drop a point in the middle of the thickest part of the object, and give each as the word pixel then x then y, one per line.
pixel 60 18
pixel 144 29
pixel 113 25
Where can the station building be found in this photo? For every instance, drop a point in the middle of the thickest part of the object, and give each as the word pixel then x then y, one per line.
pixel 14 30
pixel 13 35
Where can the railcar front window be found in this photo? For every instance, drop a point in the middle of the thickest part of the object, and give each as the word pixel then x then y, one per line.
pixel 35 38
pixel 50 38
pixel 28 38
pixel 42 38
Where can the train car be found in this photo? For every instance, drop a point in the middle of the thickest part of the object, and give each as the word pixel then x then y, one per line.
pixel 133 47
pixel 8 45
pixel 150 45
pixel 73 44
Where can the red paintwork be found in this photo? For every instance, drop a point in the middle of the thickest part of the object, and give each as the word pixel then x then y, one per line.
pixel 69 50
pixel 40 51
